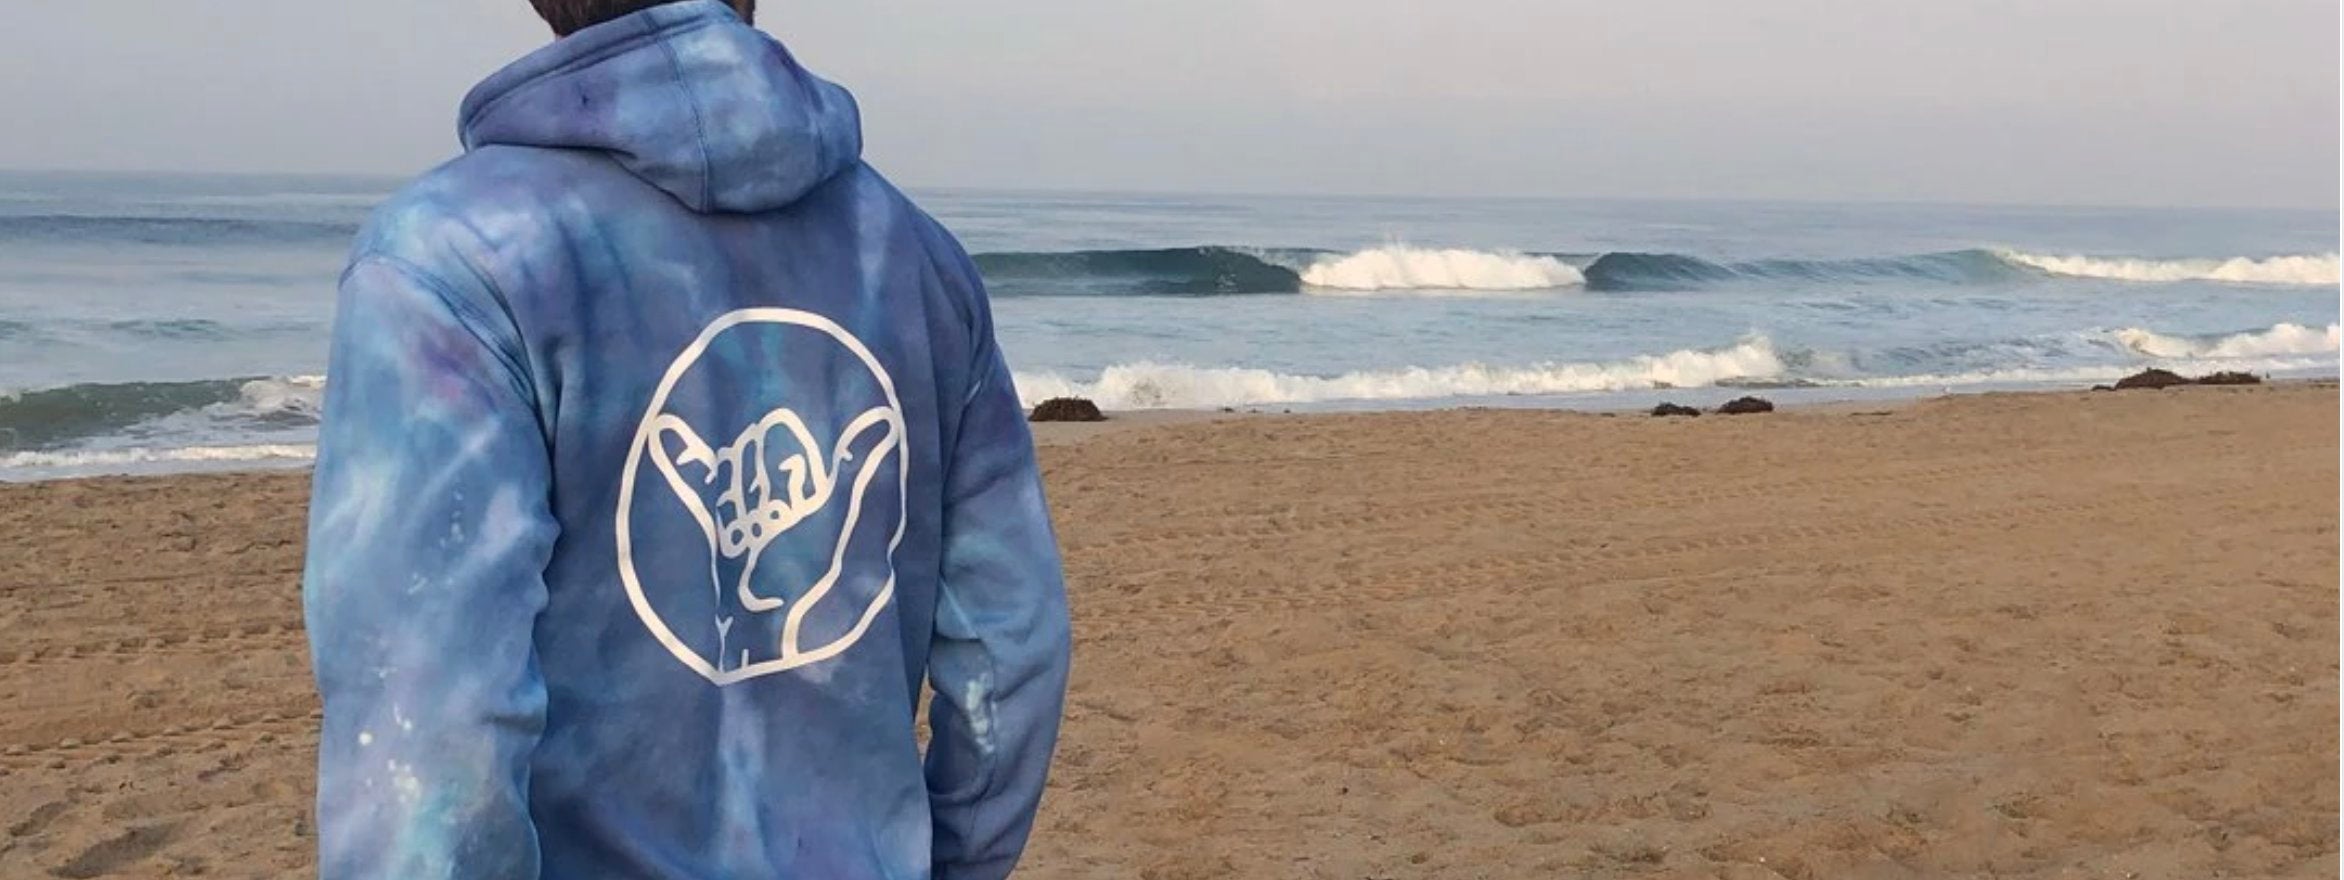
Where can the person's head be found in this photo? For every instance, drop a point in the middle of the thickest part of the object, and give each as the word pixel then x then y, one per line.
pixel 571 16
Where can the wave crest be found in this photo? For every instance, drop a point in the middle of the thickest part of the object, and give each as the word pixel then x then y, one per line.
pixel 1400 267
pixel 2304 269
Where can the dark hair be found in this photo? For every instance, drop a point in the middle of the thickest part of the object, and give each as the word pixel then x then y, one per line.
pixel 571 16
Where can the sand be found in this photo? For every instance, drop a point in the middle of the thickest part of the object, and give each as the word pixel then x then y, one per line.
pixel 2061 635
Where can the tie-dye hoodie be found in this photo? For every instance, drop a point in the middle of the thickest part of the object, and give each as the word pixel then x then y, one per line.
pixel 666 451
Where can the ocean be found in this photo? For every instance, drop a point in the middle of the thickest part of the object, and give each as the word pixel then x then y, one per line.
pixel 153 323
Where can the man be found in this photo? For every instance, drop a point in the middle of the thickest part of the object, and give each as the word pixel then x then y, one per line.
pixel 666 449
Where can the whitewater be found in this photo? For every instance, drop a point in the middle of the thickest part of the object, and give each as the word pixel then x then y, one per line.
pixel 2308 269
pixel 1752 362
pixel 1400 267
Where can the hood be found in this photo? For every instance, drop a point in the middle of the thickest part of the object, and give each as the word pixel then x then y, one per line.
pixel 687 97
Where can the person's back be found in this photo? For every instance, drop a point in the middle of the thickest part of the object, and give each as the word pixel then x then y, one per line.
pixel 666 450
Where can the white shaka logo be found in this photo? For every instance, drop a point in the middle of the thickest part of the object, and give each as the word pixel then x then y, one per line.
pixel 775 478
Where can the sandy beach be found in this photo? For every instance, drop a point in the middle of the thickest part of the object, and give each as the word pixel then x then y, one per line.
pixel 2048 635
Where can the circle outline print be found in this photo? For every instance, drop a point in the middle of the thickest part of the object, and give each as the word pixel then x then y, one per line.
pixel 732 540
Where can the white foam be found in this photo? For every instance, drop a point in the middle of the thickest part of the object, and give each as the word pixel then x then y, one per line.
pixel 2280 339
pixel 1400 267
pixel 2084 374
pixel 1150 385
pixel 2308 269
pixel 291 395
pixel 99 459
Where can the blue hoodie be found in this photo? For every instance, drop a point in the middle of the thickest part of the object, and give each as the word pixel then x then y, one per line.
pixel 666 450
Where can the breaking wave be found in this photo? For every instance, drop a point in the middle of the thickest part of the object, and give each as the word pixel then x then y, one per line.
pixel 1216 270
pixel 51 418
pixel 1148 385
pixel 1399 267
pixel 2281 339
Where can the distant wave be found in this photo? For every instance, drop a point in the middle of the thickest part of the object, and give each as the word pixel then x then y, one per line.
pixel 1216 270
pixel 2309 269
pixel 171 328
pixel 1148 385
pixel 101 229
pixel 1192 271
pixel 1627 271
pixel 134 331
pixel 1212 270
pixel 1399 267
pixel 356 201
pixel 2281 339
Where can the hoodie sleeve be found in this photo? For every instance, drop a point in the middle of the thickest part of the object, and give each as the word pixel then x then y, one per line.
pixel 999 659
pixel 428 539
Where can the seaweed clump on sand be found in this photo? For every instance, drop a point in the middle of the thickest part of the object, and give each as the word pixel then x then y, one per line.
pixel 1675 409
pixel 2152 378
pixel 1746 405
pixel 1068 409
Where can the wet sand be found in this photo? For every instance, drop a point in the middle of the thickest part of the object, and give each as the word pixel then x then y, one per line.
pixel 2015 635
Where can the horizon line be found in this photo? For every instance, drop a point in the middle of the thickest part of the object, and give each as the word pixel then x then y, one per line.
pixel 395 178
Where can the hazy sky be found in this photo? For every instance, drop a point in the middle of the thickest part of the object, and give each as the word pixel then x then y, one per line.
pixel 2192 102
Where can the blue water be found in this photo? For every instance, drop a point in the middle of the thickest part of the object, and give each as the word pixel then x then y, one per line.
pixel 171 322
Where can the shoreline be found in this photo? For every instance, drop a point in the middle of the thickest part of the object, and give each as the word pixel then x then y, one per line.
pixel 280 457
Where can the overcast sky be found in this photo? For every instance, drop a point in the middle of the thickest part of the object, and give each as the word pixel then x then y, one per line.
pixel 2163 102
